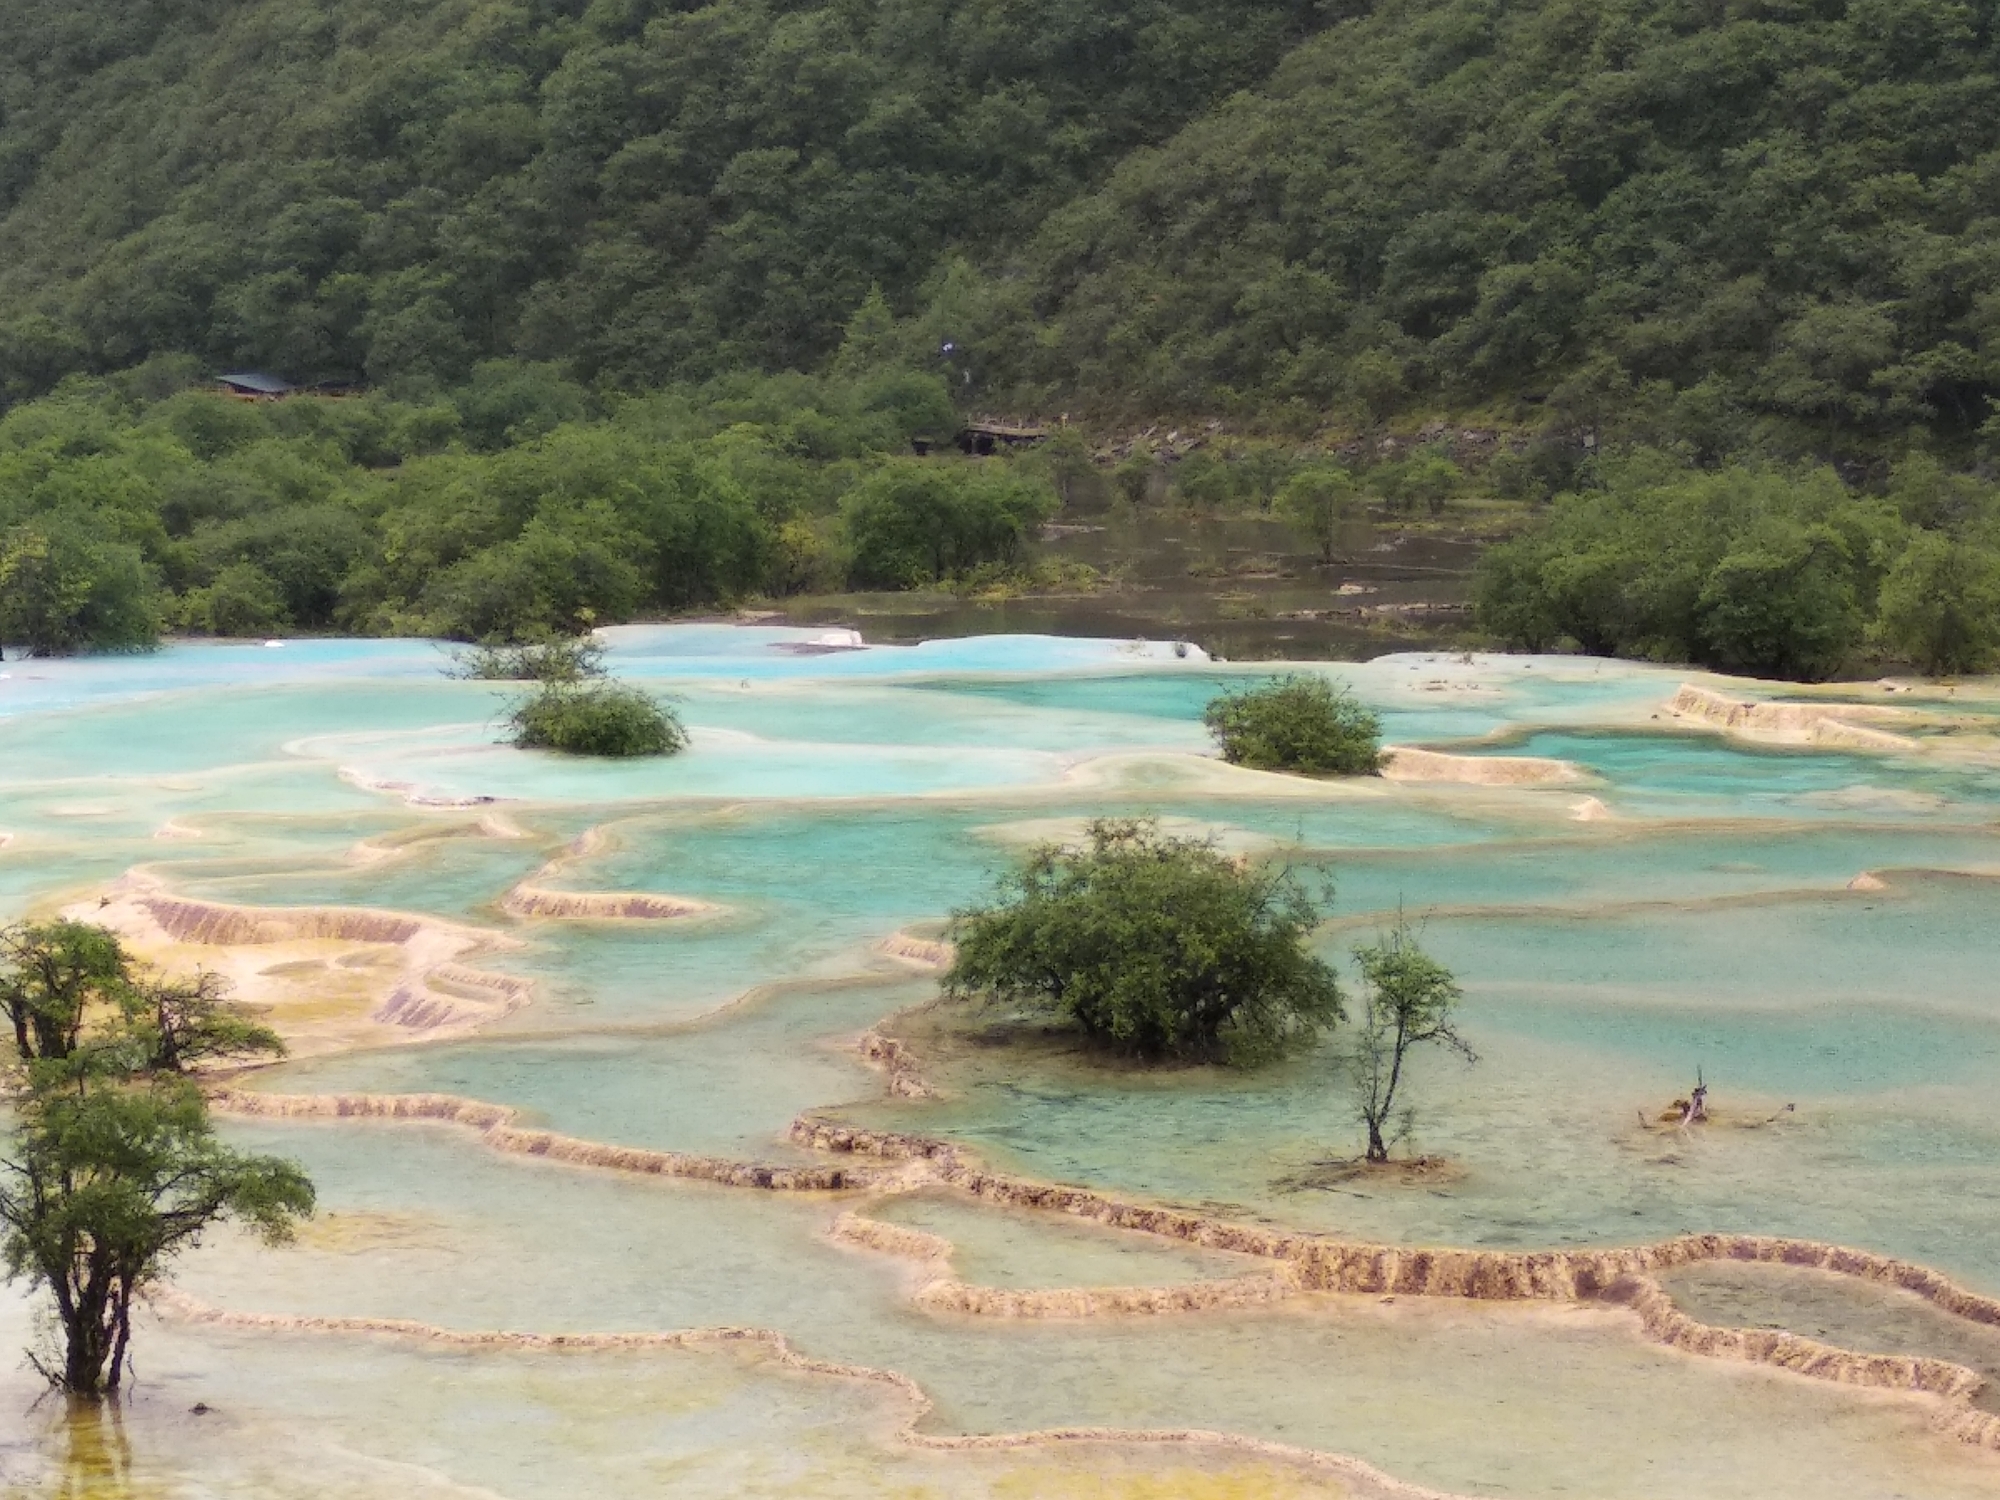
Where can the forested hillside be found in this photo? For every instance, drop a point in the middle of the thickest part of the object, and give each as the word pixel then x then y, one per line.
pixel 648 298
pixel 1757 222
pixel 1777 211
pixel 381 189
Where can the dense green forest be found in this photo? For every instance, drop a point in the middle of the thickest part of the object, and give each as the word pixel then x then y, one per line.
pixel 647 298
pixel 389 189
pixel 1768 224
pixel 516 510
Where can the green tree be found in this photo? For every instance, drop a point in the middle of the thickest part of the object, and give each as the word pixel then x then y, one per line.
pixel 926 520
pixel 188 1022
pixel 1745 569
pixel 563 574
pixel 53 977
pixel 107 1178
pixel 1408 1000
pixel 242 600
pixel 1426 479
pixel 1316 501
pixel 1152 946
pixel 112 1167
pixel 1300 722
pixel 63 589
pixel 1782 604
pixel 1940 605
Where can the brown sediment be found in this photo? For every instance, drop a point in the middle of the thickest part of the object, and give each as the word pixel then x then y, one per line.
pixel 172 1302
pixel 327 978
pixel 1071 832
pixel 1667 1324
pixel 1405 763
pixel 919 1245
pixel 387 846
pixel 1155 771
pixel 215 925
pixel 944 1293
pixel 947 1295
pixel 535 901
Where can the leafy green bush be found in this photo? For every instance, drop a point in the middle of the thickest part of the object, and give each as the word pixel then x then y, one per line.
pixel 1153 946
pixel 596 719
pixel 1317 500
pixel 317 514
pixel 926 520
pixel 1299 722
pixel 64 589
pixel 243 600
pixel 1756 570
pixel 562 660
pixel 1940 605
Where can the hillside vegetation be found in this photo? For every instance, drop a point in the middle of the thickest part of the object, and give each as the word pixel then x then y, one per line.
pixel 1770 223
pixel 1765 222
pixel 649 298
pixel 516 511
pixel 387 189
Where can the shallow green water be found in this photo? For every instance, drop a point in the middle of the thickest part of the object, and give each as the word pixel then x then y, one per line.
pixel 830 801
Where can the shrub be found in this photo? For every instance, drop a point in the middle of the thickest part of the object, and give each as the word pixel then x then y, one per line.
pixel 1298 723
pixel 924 521
pixel 1754 570
pixel 243 600
pixel 1152 946
pixel 1940 605
pixel 64 589
pixel 598 719
pixel 561 660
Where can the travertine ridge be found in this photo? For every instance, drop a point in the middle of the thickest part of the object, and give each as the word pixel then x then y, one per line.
pixel 1306 1262
pixel 1371 1482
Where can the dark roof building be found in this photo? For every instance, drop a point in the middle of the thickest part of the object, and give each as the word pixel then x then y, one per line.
pixel 254 387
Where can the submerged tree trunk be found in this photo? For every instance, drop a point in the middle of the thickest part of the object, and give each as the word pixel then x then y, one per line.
pixel 97 1323
pixel 88 1336
pixel 1377 1151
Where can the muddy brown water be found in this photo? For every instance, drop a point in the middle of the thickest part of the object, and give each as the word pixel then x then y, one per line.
pixel 1241 588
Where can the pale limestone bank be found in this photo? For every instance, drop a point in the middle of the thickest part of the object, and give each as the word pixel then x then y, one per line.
pixel 1404 763
pixel 326 978
pixel 1302 1262
pixel 923 953
pixel 1837 726
pixel 530 901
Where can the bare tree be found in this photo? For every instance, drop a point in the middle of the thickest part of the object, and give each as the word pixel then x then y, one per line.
pixel 1408 999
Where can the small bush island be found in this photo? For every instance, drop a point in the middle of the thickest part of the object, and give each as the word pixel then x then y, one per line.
pixel 560 659
pixel 1153 946
pixel 1300 723
pixel 602 719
